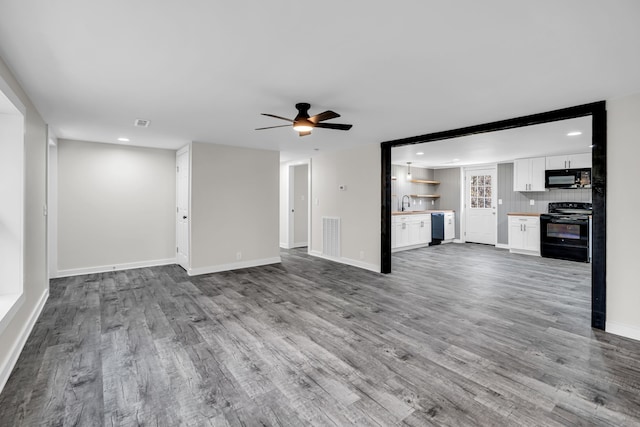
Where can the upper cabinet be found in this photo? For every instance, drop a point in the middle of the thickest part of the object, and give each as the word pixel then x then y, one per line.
pixel 528 174
pixel 570 161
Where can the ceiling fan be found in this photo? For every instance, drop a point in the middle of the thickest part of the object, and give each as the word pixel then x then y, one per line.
pixel 303 123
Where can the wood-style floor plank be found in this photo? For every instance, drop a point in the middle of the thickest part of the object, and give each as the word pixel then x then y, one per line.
pixel 457 335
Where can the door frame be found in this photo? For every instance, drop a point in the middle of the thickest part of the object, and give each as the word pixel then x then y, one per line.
pixel 598 113
pixel 465 211
pixel 291 202
pixel 184 150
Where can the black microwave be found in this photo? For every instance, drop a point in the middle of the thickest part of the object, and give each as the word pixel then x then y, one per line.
pixel 567 178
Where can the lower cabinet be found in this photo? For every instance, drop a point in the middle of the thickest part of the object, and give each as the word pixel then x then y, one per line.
pixel 449 226
pixel 524 234
pixel 410 231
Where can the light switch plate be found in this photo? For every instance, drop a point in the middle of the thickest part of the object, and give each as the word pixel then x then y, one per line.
pixel 532 202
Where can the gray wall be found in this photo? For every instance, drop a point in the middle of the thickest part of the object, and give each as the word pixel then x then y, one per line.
pixel 227 231
pixel 400 187
pixel 35 277
pixel 116 206
pixel 516 201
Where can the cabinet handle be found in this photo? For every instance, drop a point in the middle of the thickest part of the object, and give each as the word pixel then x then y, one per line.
pixel 569 164
pixel 421 223
pixel 525 227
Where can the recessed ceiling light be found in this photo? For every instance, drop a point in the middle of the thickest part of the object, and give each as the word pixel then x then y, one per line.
pixel 575 133
pixel 123 139
pixel 419 153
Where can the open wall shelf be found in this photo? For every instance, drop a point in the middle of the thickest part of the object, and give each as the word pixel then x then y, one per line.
pixel 425 181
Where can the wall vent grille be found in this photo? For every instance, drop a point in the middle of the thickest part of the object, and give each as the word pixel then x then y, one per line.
pixel 331 236
pixel 141 123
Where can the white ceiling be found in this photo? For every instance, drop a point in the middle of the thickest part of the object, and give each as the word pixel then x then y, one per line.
pixel 204 70
pixel 541 140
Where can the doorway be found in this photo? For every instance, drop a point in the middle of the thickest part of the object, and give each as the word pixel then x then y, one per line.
pixel 298 211
pixel 597 111
pixel 182 208
pixel 480 205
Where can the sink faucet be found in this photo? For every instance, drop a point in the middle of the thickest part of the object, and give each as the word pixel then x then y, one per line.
pixel 408 202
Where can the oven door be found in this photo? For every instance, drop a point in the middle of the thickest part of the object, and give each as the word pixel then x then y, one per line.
pixel 564 238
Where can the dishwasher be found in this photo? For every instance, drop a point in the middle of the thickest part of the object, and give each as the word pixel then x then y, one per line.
pixel 437 228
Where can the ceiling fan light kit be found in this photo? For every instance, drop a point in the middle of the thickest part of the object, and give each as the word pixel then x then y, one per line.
pixel 303 123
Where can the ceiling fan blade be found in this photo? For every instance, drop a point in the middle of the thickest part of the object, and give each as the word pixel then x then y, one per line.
pixel 277 117
pixel 324 116
pixel 337 126
pixel 305 133
pixel 273 127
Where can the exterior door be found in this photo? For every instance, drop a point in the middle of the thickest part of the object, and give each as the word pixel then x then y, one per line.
pixel 480 205
pixel 182 209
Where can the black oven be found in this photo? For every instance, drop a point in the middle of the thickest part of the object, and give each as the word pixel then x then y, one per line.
pixel 565 233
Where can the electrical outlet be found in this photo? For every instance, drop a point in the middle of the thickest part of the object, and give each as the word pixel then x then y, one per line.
pixel 532 202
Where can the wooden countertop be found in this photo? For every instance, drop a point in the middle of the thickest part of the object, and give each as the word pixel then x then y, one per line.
pixel 422 212
pixel 523 214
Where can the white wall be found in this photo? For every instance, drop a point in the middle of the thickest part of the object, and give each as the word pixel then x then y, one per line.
pixel 234 207
pixel 116 207
pixel 358 207
pixel 623 206
pixel 35 284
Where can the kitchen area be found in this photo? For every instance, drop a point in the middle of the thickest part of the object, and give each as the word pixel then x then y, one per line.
pixel 538 198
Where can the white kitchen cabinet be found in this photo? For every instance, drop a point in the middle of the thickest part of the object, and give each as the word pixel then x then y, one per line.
pixel 569 161
pixel 524 234
pixel 528 174
pixel 410 231
pixel 449 226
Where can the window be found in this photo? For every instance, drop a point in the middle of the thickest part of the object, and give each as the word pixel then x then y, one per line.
pixel 481 191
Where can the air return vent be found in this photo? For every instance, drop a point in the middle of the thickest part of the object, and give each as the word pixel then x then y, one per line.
pixel 331 236
pixel 141 123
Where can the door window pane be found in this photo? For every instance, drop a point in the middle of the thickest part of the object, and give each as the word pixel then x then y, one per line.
pixel 481 191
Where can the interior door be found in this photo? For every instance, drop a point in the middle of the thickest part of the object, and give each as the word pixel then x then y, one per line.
pixel 480 205
pixel 182 209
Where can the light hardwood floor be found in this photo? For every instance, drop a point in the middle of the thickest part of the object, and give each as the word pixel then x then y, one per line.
pixel 457 335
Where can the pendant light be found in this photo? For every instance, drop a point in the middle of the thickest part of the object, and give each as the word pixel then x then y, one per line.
pixel 408 171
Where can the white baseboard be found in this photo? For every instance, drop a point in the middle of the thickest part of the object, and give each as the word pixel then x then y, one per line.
pixel 348 261
pixel 284 245
pixel 502 245
pixel 16 349
pixel 233 266
pixel 624 330
pixel 115 267
pixel 458 241
pixel 300 244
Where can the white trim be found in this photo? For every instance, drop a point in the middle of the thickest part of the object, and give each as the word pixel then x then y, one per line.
pixel 284 245
pixel 9 306
pixel 300 245
pixel 115 267
pixel 624 330
pixel 502 245
pixel 12 97
pixel 233 266
pixel 14 353
pixel 348 261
